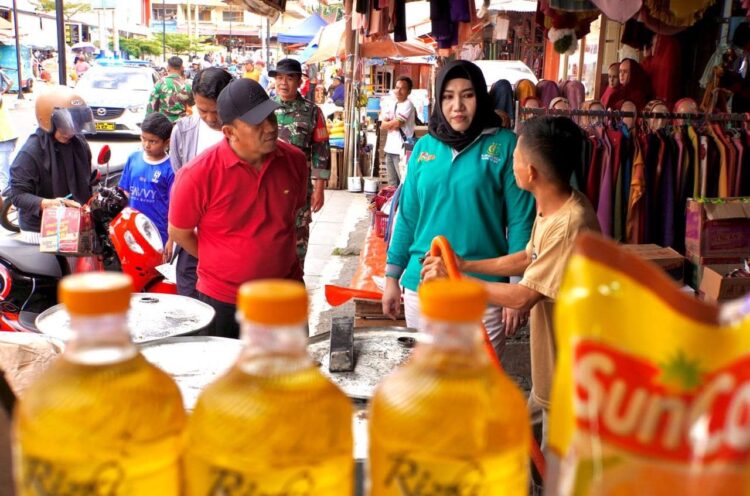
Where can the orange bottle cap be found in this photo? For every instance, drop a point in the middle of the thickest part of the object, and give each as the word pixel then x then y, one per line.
pixel 96 293
pixel 453 301
pixel 273 301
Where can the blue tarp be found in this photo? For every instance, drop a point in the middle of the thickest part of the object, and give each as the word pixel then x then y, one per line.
pixel 307 52
pixel 303 32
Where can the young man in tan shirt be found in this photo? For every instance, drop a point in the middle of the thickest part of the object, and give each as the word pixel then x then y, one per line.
pixel 542 164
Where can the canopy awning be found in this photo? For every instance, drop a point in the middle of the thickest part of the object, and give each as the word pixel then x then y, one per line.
pixel 513 5
pixel 330 42
pixel 271 9
pixel 304 31
pixel 387 48
pixel 330 45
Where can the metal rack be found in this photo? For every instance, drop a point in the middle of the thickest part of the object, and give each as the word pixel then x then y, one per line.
pixel 617 114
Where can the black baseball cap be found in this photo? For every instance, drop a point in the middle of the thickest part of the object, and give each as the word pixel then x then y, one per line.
pixel 286 66
pixel 246 100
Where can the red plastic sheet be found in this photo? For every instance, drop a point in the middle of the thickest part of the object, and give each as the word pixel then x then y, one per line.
pixel 371 262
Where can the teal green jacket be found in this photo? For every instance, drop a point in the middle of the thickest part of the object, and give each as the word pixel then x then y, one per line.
pixel 470 197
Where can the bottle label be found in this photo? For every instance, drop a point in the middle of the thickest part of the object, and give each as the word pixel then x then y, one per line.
pixel 334 477
pixel 40 476
pixel 420 474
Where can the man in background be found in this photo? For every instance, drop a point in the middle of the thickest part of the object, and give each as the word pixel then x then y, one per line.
pixel 242 219
pixel 302 124
pixel 192 135
pixel 172 95
pixel 399 122
pixel 250 71
pixel 337 91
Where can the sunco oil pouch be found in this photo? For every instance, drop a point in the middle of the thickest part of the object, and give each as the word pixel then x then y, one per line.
pixel 652 388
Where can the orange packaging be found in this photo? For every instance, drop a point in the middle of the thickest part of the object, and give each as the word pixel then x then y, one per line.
pixel 652 388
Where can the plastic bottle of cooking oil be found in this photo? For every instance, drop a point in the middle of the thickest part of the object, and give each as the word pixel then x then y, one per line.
pixel 101 419
pixel 273 424
pixel 449 421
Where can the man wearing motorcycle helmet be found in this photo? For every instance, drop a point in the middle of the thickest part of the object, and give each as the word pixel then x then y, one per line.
pixel 54 165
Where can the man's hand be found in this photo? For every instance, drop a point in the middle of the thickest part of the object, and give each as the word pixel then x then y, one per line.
pixel 514 320
pixel 391 298
pixel 56 202
pixel 186 238
pixel 168 250
pixel 318 195
pixel 391 125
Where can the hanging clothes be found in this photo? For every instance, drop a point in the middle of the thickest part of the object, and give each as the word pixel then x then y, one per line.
pixel 606 193
pixel 639 180
pixel 547 91
pixel 575 92
pixel 501 93
pixel 663 68
pixel 635 223
pixel 525 89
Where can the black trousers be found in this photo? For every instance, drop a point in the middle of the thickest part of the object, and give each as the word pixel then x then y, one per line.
pixel 225 323
pixel 186 274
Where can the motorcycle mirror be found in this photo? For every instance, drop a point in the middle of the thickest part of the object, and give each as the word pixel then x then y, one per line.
pixel 104 155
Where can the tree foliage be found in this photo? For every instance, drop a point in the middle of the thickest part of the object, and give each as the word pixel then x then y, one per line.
pixel 70 9
pixel 182 44
pixel 138 47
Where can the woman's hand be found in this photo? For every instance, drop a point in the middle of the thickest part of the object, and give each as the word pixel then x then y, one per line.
pixel 514 320
pixel 433 268
pixel 56 202
pixel 391 298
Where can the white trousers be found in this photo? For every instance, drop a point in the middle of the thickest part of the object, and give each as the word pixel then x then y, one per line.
pixel 493 320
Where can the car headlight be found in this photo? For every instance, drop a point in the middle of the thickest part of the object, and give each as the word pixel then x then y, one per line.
pixel 148 230
pixel 137 108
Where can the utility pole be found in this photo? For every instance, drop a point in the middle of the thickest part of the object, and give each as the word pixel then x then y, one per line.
pixel 350 136
pixel 189 15
pixel 102 18
pixel 163 31
pixel 18 52
pixel 115 30
pixel 268 41
pixel 61 67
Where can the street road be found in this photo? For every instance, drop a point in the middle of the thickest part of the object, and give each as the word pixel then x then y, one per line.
pixel 25 122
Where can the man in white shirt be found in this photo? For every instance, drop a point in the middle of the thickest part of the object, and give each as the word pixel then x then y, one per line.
pixel 190 136
pixel 399 122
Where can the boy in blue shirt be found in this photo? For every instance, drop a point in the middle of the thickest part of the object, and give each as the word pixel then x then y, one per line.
pixel 148 176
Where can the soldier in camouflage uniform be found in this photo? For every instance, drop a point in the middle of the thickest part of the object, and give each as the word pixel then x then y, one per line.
pixel 172 95
pixel 302 124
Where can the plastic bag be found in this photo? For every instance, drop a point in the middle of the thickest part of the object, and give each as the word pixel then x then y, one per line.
pixel 652 388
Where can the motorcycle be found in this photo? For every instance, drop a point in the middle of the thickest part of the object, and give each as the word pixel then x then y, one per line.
pixel 9 214
pixel 126 240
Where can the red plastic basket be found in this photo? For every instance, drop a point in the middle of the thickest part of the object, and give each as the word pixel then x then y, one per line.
pixel 381 224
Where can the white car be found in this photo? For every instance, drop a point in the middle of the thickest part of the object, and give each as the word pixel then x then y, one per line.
pixel 512 70
pixel 118 96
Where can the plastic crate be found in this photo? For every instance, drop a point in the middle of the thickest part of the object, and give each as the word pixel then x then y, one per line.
pixel 381 224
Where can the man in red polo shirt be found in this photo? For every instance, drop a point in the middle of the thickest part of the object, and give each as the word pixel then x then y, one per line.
pixel 236 203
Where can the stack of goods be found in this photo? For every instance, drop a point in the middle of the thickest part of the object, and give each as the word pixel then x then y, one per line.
pixel 336 133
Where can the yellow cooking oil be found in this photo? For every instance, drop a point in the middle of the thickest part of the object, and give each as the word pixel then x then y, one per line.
pixel 273 425
pixel 101 420
pixel 449 421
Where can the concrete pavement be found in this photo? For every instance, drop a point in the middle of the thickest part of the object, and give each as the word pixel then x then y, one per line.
pixel 335 240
